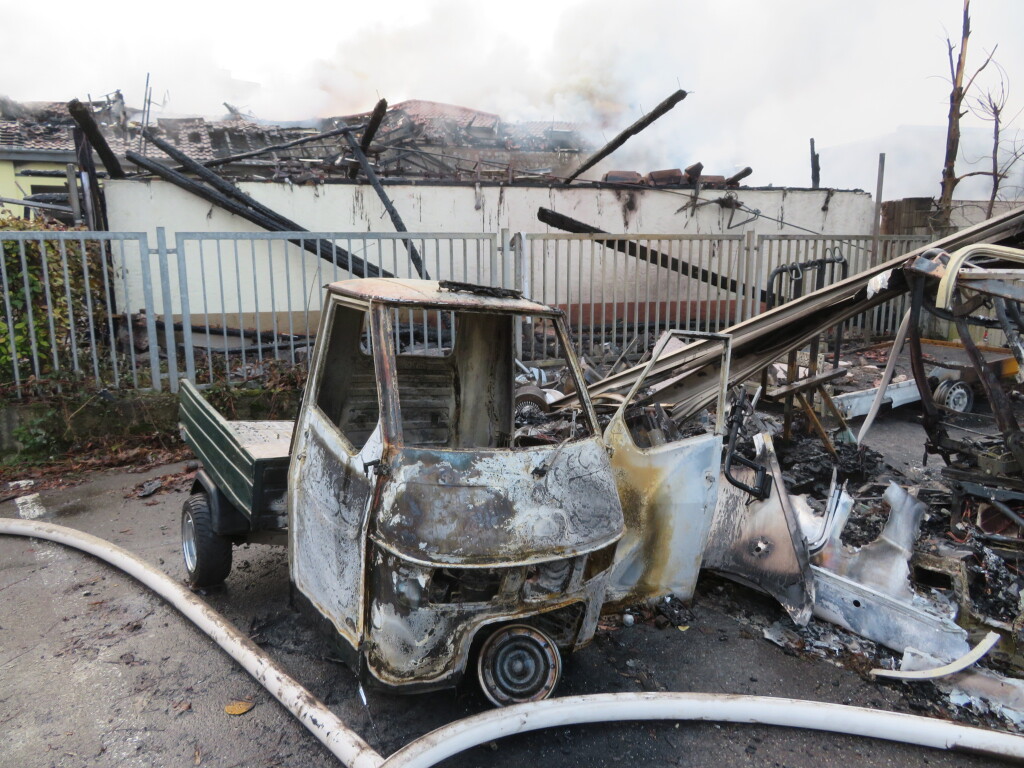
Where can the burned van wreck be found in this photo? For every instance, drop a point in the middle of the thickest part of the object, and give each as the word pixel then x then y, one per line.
pixel 423 521
pixel 449 506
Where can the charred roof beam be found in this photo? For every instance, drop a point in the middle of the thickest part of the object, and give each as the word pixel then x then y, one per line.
pixel 627 134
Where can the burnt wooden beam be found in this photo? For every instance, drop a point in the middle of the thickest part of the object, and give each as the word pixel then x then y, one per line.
pixel 737 177
pixel 393 157
pixel 623 137
pixel 325 249
pixel 815 168
pixel 370 131
pixel 651 256
pixel 276 147
pixel 95 205
pixel 396 218
pixel 83 118
pixel 441 165
pixel 218 182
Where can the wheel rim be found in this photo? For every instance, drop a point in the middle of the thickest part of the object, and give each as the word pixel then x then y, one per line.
pixel 518 664
pixel 959 398
pixel 188 541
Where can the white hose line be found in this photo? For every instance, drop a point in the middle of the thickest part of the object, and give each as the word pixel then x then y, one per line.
pixel 459 736
pixel 343 742
pixel 464 734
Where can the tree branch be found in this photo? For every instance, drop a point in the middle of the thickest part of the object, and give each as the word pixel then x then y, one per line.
pixel 978 70
pixel 973 173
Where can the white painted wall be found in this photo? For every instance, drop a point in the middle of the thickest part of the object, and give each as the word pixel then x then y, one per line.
pixel 261 278
pixel 145 205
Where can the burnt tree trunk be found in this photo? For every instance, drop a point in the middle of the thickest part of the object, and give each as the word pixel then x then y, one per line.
pixel 997 175
pixel 956 111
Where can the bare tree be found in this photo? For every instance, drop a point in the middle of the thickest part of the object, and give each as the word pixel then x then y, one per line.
pixel 957 110
pixel 991 106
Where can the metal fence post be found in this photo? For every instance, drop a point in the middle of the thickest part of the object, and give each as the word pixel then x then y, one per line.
pixel 752 276
pixel 165 285
pixel 506 258
pixel 147 297
pixel 186 312
pixel 515 250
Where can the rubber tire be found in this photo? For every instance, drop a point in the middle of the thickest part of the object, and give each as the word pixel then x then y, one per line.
pixel 212 551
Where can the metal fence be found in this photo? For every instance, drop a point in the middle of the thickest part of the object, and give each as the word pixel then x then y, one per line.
pixel 619 293
pixel 252 298
pixel 794 265
pixel 61 317
pixel 109 309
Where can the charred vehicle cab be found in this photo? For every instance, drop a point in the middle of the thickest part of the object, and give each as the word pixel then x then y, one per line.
pixel 416 517
pixel 421 524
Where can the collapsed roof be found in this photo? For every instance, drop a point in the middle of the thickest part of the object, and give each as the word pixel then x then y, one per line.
pixel 416 139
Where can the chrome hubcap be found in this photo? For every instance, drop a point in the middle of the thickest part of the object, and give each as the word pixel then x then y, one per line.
pixel 518 664
pixel 188 541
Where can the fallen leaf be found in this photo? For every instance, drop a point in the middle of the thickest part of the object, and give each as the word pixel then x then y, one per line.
pixel 683 628
pixel 238 707
pixel 182 706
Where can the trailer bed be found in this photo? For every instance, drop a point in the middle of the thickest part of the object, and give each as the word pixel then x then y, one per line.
pixel 248 460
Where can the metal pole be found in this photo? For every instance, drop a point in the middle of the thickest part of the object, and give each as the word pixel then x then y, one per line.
pixel 165 285
pixel 875 230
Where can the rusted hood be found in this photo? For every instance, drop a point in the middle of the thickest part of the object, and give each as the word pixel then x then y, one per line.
pixel 499 507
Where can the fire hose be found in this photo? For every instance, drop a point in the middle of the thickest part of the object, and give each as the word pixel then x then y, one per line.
pixel 463 734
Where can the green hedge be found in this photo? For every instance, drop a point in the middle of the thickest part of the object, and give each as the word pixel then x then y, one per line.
pixel 30 267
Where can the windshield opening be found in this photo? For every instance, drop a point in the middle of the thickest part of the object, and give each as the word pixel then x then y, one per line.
pixel 461 387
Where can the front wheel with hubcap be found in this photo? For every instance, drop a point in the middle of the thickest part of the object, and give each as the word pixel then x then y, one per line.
pixel 518 663
pixel 207 555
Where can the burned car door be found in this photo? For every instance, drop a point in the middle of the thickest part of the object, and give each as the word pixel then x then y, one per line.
pixel 337 450
pixel 668 488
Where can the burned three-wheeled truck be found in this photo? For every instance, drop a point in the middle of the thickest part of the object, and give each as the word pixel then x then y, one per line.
pixel 422 526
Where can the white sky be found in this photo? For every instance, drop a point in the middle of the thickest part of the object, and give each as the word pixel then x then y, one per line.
pixel 765 75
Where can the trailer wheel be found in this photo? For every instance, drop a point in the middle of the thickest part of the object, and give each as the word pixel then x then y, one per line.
pixel 955 395
pixel 207 555
pixel 517 664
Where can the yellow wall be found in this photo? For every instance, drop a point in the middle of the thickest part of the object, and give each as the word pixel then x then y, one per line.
pixel 9 181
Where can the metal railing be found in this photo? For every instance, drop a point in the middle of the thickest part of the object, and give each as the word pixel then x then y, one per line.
pixel 63 318
pixel 252 298
pixel 787 254
pixel 110 310
pixel 618 292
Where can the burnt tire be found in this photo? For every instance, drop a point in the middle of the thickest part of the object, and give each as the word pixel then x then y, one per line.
pixel 517 664
pixel 207 555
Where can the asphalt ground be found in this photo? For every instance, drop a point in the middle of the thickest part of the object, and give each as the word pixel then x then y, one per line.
pixel 96 671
